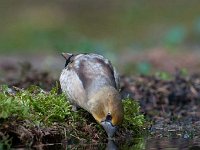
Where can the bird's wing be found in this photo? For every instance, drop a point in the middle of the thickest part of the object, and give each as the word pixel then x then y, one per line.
pixel 116 75
pixel 113 70
pixel 94 67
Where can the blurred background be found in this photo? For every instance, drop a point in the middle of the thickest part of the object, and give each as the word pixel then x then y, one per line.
pixel 140 37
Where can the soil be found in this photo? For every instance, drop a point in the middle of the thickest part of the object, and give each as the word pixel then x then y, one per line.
pixel 172 105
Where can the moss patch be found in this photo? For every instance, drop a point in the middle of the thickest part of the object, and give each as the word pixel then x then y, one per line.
pixel 34 116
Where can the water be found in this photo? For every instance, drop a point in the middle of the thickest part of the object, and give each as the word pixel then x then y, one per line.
pixel 172 144
pixel 134 144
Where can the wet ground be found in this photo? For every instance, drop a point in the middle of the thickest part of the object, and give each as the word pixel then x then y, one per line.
pixel 171 104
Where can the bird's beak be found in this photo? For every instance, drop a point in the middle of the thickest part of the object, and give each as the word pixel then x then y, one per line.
pixel 110 129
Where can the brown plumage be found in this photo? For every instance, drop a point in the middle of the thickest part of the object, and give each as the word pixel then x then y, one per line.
pixel 91 82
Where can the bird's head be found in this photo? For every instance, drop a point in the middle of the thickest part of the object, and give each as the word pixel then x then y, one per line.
pixel 107 109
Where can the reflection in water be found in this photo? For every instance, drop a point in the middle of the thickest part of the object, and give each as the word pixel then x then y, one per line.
pixel 130 144
pixel 111 145
pixel 125 144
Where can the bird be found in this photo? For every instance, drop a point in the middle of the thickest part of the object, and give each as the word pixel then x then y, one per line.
pixel 90 81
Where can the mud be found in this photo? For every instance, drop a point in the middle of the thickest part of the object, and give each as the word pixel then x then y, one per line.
pixel 172 105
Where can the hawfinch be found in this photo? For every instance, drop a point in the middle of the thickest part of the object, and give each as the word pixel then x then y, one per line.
pixel 92 83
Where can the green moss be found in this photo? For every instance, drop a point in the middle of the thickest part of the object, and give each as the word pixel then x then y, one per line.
pixel 34 104
pixel 50 109
pixel 163 75
pixel 182 72
pixel 133 119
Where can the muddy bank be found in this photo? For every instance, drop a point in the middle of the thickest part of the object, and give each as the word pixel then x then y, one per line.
pixel 172 105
